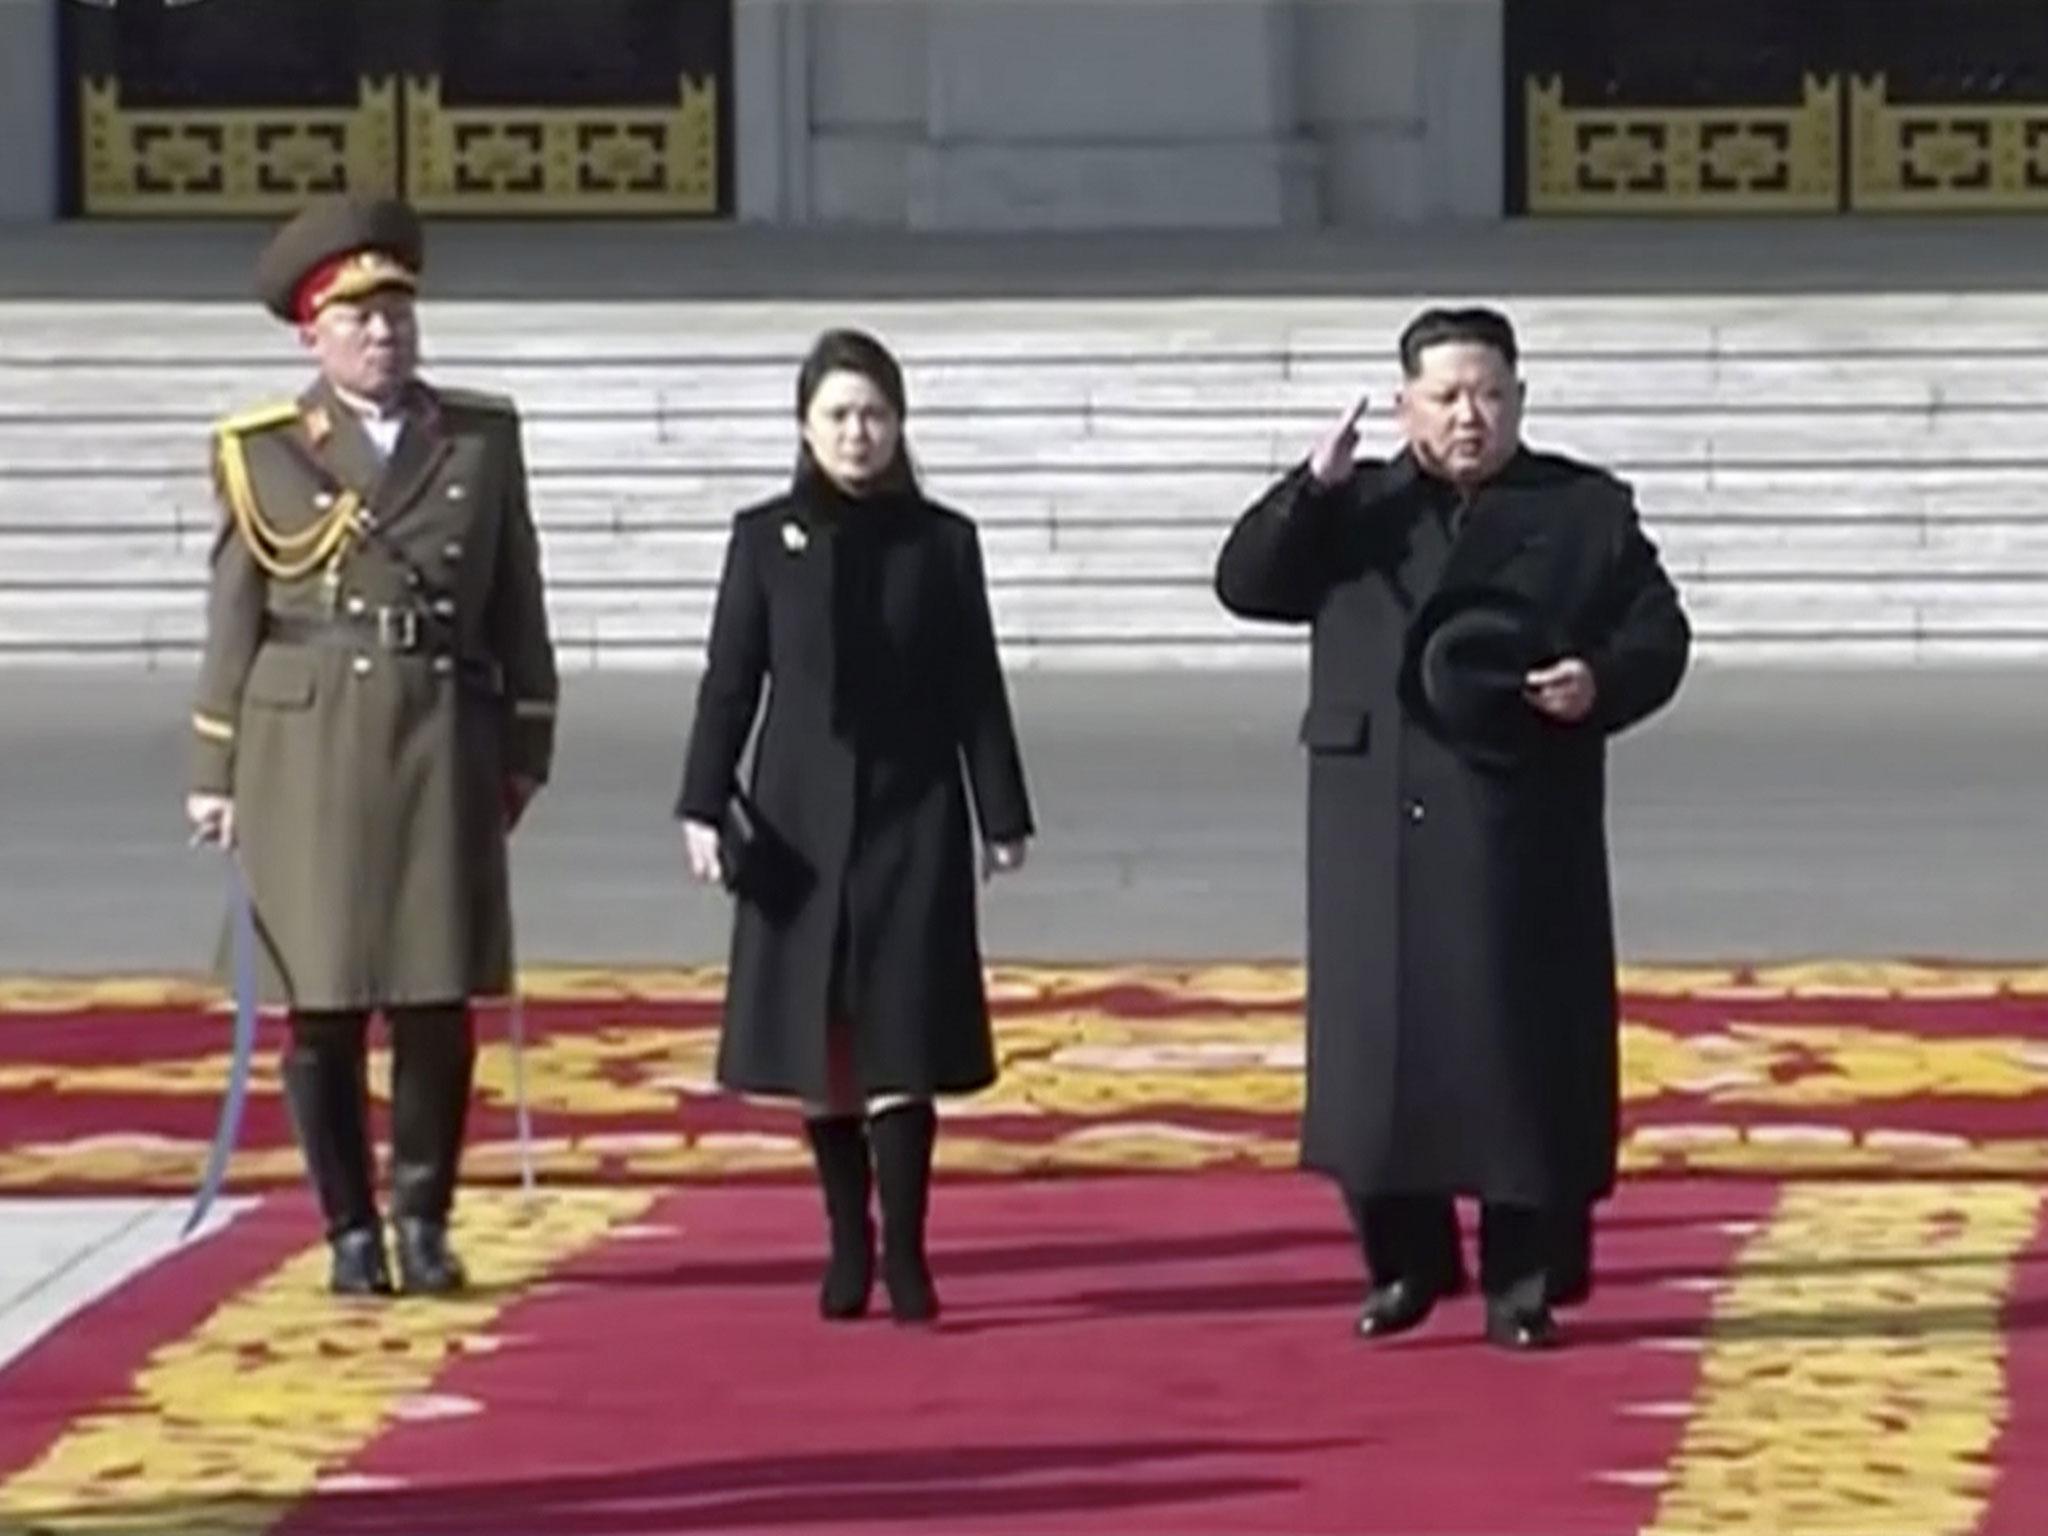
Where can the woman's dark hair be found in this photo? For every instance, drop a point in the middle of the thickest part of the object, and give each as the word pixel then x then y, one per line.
pixel 850 351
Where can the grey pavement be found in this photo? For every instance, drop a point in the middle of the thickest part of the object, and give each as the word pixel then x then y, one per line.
pixel 638 260
pixel 59 1255
pixel 1772 813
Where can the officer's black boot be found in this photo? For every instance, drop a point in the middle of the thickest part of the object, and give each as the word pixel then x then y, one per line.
pixel 839 1143
pixel 433 1059
pixel 902 1139
pixel 327 1092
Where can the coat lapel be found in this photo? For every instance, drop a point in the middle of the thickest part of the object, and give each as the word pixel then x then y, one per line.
pixel 338 442
pixel 342 448
pixel 1405 499
pixel 1501 523
pixel 422 444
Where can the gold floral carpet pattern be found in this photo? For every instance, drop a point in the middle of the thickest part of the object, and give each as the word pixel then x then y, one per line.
pixel 1822 1069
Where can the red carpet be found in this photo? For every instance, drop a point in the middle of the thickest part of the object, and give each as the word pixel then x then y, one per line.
pixel 1168 1354
pixel 1849 1340
pixel 1857 1068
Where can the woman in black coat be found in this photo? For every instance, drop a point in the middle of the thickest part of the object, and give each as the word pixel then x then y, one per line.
pixel 856 982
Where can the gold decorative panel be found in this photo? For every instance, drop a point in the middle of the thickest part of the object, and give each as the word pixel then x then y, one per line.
pixel 1735 158
pixel 194 161
pixel 1945 157
pixel 563 160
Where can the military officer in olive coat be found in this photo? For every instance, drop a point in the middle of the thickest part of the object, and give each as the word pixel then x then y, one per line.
pixel 376 706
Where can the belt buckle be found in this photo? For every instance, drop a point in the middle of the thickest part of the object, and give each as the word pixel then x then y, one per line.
pixel 398 629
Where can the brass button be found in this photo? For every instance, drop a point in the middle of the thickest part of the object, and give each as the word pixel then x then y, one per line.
pixel 452 550
pixel 360 666
pixel 444 607
pixel 1416 811
pixel 356 604
pixel 444 664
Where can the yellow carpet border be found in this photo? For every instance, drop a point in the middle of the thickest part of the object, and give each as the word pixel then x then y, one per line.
pixel 1854 1374
pixel 226 1428
pixel 1250 983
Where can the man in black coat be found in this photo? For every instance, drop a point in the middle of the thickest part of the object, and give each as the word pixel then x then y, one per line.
pixel 1483 617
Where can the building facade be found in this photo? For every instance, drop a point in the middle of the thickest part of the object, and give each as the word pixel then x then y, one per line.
pixel 1026 114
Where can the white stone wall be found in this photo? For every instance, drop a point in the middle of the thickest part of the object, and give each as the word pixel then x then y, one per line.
pixel 1075 114
pixel 1405 99
pixel 28 110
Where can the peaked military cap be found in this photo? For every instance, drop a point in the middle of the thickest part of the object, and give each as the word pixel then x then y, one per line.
pixel 339 248
pixel 1470 651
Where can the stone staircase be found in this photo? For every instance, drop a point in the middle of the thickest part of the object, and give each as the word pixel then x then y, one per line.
pixel 1852 477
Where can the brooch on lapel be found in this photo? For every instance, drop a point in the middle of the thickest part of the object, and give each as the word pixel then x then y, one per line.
pixel 794 539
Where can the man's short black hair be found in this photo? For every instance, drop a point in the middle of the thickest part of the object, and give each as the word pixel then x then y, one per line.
pixel 1478 325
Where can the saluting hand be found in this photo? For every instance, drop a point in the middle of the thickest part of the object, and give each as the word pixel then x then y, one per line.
pixel 700 845
pixel 1564 690
pixel 1330 462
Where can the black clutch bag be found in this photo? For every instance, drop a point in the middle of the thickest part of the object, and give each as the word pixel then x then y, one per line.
pixel 758 866
pixel 739 836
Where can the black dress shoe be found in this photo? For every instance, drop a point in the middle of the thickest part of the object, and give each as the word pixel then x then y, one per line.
pixel 1521 1328
pixel 426 1265
pixel 1396 1307
pixel 358 1267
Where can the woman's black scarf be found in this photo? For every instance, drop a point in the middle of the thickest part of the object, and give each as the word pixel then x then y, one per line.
pixel 855 533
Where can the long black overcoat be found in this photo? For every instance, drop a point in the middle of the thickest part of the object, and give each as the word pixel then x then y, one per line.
pixel 869 623
pixel 1462 1029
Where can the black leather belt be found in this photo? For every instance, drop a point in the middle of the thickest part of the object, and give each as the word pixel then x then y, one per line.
pixel 399 631
pixel 395 628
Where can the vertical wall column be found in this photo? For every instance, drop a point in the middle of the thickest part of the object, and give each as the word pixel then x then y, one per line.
pixel 1112 114
pixel 1120 114
pixel 771 66
pixel 30 94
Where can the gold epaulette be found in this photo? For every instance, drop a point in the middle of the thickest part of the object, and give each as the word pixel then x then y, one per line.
pixel 256 418
pixel 283 556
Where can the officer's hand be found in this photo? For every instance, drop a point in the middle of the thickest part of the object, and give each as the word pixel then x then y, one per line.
pixel 519 792
pixel 700 843
pixel 212 818
pixel 1564 690
pixel 1330 462
pixel 1001 858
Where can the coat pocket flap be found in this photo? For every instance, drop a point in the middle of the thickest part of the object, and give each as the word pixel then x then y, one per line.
pixel 1335 727
pixel 280 679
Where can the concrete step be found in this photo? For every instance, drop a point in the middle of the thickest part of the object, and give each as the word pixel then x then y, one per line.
pixel 1853 472
pixel 1263 444
pixel 1312 385
pixel 1036 553
pixel 1767 323
pixel 1165 606
pixel 1058 499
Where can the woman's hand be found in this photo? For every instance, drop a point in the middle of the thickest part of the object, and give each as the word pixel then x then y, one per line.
pixel 700 844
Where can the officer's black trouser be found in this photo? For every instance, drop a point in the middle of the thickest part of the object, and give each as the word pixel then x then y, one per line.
pixel 1528 1257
